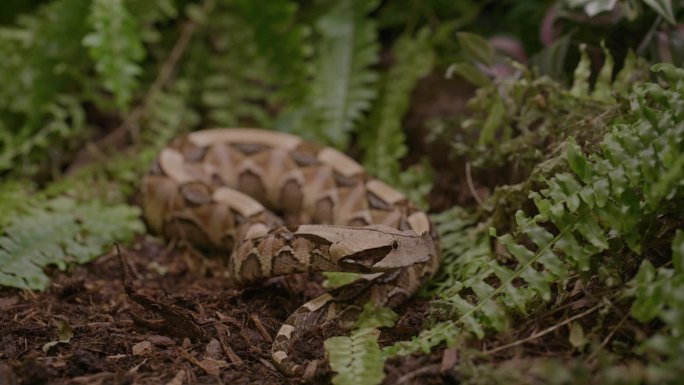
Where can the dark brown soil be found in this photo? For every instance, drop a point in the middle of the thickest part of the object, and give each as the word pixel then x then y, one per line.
pixel 118 341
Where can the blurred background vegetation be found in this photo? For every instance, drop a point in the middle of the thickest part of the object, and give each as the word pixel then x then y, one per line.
pixel 481 111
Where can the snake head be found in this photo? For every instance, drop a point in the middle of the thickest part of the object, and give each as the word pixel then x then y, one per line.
pixel 375 248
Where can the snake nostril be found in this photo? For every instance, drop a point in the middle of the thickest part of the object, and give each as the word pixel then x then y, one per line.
pixel 395 244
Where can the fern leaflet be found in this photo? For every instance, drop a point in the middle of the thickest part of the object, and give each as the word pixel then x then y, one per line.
pixel 61 233
pixel 357 359
pixel 116 48
pixel 342 88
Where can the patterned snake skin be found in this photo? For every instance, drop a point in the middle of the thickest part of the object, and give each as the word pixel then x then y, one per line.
pixel 216 188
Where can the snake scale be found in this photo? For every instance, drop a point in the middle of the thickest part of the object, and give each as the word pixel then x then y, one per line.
pixel 219 188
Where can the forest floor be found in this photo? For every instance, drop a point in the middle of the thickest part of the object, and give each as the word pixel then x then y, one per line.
pixel 115 340
pixel 206 332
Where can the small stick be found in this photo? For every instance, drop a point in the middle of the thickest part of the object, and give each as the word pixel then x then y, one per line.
pixel 165 73
pixel 543 332
pixel 260 327
pixel 227 349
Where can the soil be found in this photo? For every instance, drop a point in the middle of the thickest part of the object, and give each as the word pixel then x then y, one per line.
pixel 118 341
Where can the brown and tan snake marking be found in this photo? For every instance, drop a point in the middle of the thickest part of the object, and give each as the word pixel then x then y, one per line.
pixel 213 188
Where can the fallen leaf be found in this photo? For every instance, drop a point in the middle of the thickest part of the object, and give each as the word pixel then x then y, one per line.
pixel 213 349
pixel 576 337
pixel 161 340
pixel 142 348
pixel 212 366
pixel 178 379
pixel 64 334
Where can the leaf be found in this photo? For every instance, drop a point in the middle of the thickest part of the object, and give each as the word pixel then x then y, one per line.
pixel 61 234
pixel 357 359
pixel 470 73
pixel 286 59
pixel 494 121
pixel 476 47
pixel 580 86
pixel 375 317
pixel 577 161
pixel 114 44
pixel 337 279
pixel 649 295
pixel 64 335
pixel 343 85
pixel 551 60
pixel 383 139
pixel 604 81
pixel 576 337
pixel 663 8
pixel 594 7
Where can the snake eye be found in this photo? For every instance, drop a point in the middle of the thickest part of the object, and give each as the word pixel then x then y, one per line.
pixel 395 244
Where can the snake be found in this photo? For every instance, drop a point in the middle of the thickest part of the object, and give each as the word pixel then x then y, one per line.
pixel 277 204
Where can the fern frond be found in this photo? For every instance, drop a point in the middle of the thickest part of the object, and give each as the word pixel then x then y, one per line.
pixel 357 359
pixel 25 154
pixel 61 233
pixel 342 87
pixel 149 15
pixel 287 60
pixel 658 294
pixel 234 75
pixel 610 197
pixel 115 47
pixel 383 139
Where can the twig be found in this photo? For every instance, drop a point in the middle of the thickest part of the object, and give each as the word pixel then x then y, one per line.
pixel 163 77
pixel 471 186
pixel 543 332
pixel 175 321
pixel 191 359
pixel 260 327
pixel 221 331
pixel 411 375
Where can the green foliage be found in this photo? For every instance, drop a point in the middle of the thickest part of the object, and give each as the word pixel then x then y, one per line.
pixel 658 294
pixel 342 87
pixel 228 88
pixel 508 117
pixel 357 359
pixel 384 139
pixel 592 8
pixel 60 233
pixel 610 200
pixel 114 44
pixel 25 152
pixel 342 73
pixel 287 58
pixel 42 60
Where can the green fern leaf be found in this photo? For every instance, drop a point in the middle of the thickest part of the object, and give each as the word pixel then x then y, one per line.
pixel 384 139
pixel 115 46
pixel 60 233
pixel 356 359
pixel 285 60
pixel 232 93
pixel 342 88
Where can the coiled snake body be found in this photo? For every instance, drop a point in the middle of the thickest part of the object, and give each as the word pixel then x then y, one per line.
pixel 215 188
